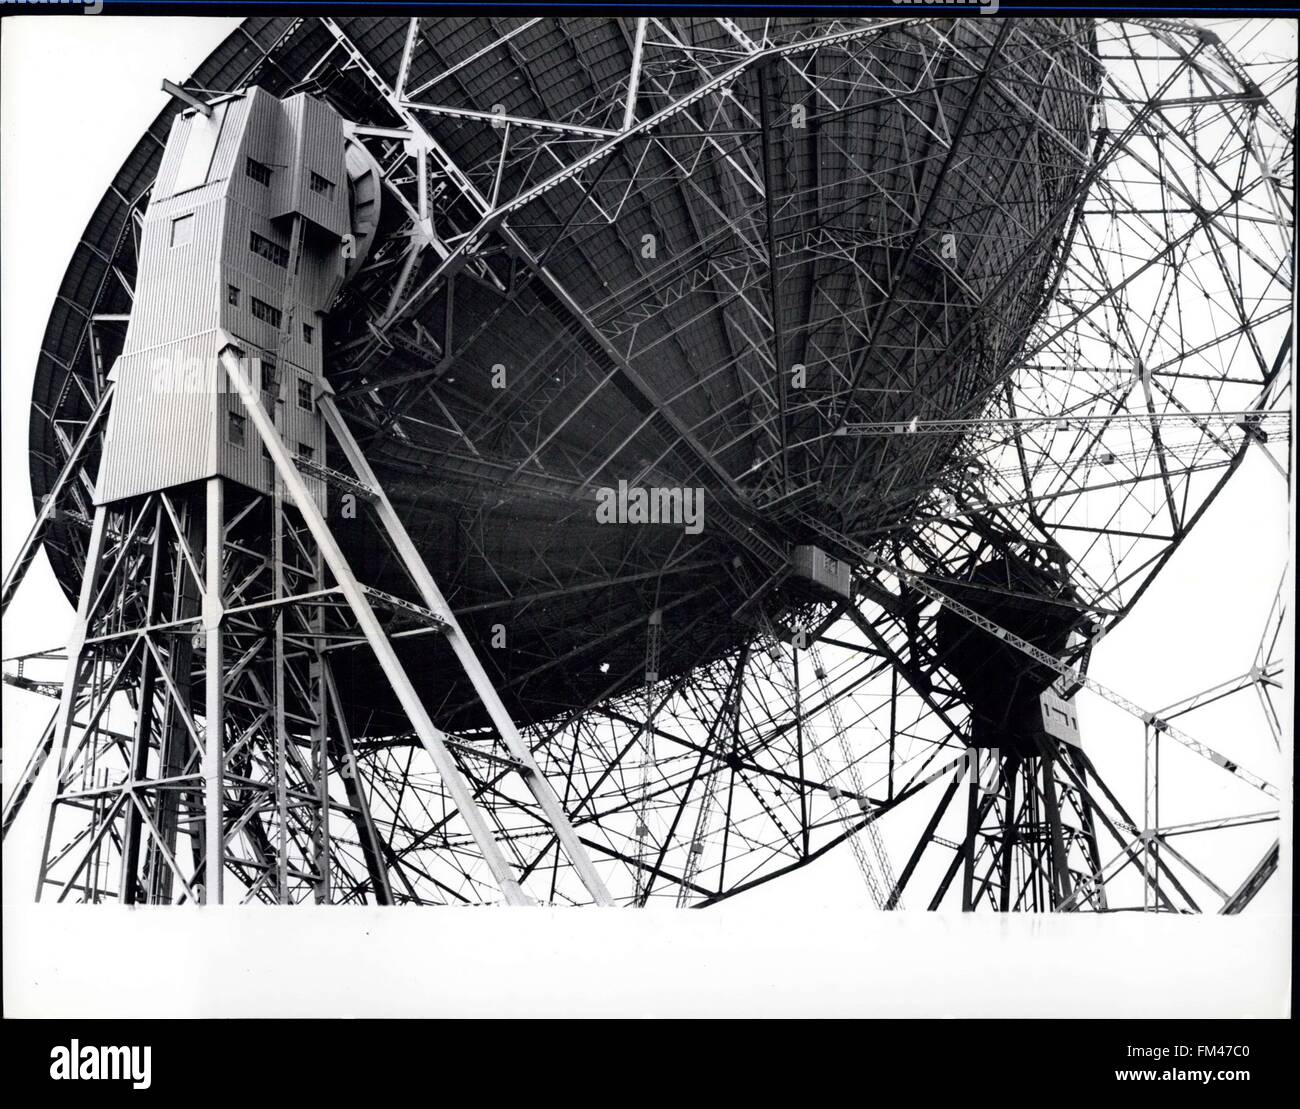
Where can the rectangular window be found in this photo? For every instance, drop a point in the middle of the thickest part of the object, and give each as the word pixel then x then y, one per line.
pixel 263 311
pixel 305 451
pixel 183 230
pixel 322 185
pixel 304 394
pixel 272 252
pixel 258 171
pixel 232 295
pixel 236 430
pixel 307 332
pixel 270 378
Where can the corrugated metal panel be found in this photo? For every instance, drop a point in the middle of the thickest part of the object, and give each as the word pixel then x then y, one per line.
pixel 89 285
pixel 261 140
pixel 166 207
pixel 161 425
pixel 173 155
pixel 199 137
pixel 178 286
pixel 286 196
pixel 321 272
pixel 176 419
pixel 318 148
pixel 232 138
pixel 298 428
pixel 322 153
pixel 302 428
pixel 254 276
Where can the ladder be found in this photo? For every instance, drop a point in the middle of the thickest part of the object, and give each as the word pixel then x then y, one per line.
pixel 845 803
pixel 653 646
pixel 703 817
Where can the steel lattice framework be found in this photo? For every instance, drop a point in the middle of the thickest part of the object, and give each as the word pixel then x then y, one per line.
pixel 1041 313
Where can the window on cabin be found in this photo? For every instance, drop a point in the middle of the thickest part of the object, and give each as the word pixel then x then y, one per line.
pixel 307 332
pixel 236 432
pixel 232 295
pixel 270 378
pixel 322 185
pixel 304 394
pixel 272 252
pixel 258 171
pixel 263 311
pixel 183 230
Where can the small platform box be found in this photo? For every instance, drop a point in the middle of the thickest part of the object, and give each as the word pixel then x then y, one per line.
pixel 825 572
pixel 1060 719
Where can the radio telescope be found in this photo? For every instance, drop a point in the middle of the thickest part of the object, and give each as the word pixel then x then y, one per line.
pixel 948 332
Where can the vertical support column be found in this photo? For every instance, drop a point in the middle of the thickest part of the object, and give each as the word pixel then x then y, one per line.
pixel 319 747
pixel 1061 886
pixel 1155 808
pixel 176 742
pixel 430 736
pixel 1008 833
pixel 72 675
pixel 1076 770
pixel 277 692
pixel 972 835
pixel 654 633
pixel 1146 816
pixel 893 725
pixel 798 726
pixel 1151 818
pixel 128 887
pixel 214 700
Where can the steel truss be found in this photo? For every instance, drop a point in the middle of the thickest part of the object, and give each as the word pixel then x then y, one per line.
pixel 1159 361
pixel 243 586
